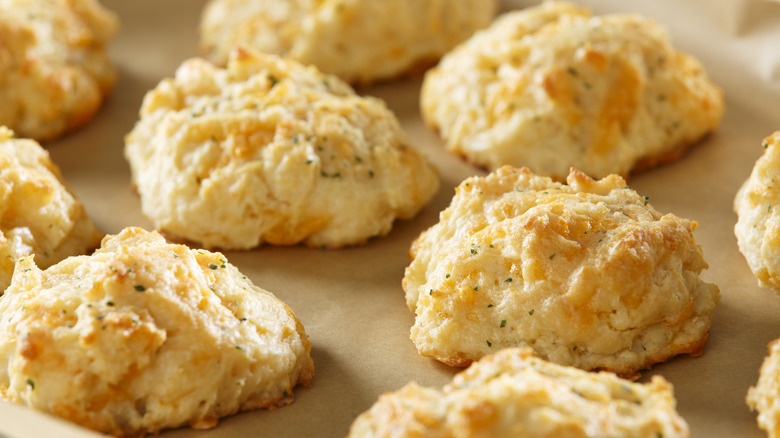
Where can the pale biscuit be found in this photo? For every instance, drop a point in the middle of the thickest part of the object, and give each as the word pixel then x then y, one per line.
pixel 764 397
pixel 551 87
pixel 268 150
pixel 357 40
pixel 757 205
pixel 588 274
pixel 144 335
pixel 54 70
pixel 38 213
pixel 512 394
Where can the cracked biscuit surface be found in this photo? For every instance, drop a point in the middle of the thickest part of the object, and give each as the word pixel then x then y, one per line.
pixel 38 213
pixel 587 273
pixel 551 86
pixel 54 70
pixel 359 41
pixel 144 335
pixel 270 151
pixel 514 394
pixel 758 221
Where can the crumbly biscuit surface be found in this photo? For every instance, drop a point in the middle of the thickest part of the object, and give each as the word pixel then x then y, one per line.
pixel 54 71
pixel 268 150
pixel 588 274
pixel 359 41
pixel 764 397
pixel 38 214
pixel 514 394
pixel 757 205
pixel 145 335
pixel 550 87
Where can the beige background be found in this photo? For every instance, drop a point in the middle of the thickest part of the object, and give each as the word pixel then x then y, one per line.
pixel 351 301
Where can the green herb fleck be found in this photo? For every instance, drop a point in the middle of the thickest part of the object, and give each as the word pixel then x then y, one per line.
pixel 307 162
pixel 503 323
pixel 238 347
pixel 473 251
pixel 647 198
pixel 572 71
pixel 285 394
pixel 552 256
pixel 358 159
pixel 766 145
pixel 101 316
pixel 489 344
pixel 140 287
pixel 31 383
pixel 508 280
pixel 490 305
pixel 574 348
pixel 370 173
pixel 213 266
pixel 110 304
pixel 476 287
pixel 447 276
pixel 295 139
pixel 273 80
pixel 531 312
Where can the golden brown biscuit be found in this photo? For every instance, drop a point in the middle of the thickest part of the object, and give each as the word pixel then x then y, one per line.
pixel 589 274
pixel 757 204
pixel 359 41
pixel 54 71
pixel 765 396
pixel 144 335
pixel 268 150
pixel 514 394
pixel 38 214
pixel 550 87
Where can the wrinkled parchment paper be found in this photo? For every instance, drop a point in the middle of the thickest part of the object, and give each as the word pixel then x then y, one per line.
pixel 351 301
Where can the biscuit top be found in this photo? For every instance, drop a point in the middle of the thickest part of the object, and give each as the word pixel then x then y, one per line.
pixel 757 204
pixel 512 393
pixel 55 71
pixel 145 335
pixel 359 41
pixel 550 87
pixel 38 215
pixel 268 150
pixel 588 273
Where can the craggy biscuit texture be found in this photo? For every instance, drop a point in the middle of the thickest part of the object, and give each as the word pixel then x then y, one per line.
pixel 764 397
pixel 268 150
pixel 550 87
pixel 514 394
pixel 54 70
pixel 144 335
pixel 38 214
pixel 757 205
pixel 587 274
pixel 357 40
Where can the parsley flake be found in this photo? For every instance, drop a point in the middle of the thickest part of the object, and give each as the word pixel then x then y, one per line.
pixel 140 287
pixel 503 323
pixel 213 266
pixel 531 312
pixel 489 344
pixel 31 382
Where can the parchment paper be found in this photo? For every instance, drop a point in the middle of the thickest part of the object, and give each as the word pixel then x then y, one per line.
pixel 351 301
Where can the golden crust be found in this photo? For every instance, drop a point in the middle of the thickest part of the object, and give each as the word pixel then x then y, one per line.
pixel 38 213
pixel 550 87
pixel 764 397
pixel 757 204
pixel 54 71
pixel 512 393
pixel 268 150
pixel 588 274
pixel 144 335
pixel 359 41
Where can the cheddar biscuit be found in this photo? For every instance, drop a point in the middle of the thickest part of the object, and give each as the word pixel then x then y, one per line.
pixel 551 86
pixel 588 274
pixel 268 150
pixel 764 396
pixel 512 393
pixel 359 41
pixel 144 335
pixel 38 213
pixel 54 70
pixel 758 223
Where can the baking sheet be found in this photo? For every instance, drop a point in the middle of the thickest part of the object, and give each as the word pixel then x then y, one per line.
pixel 351 301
